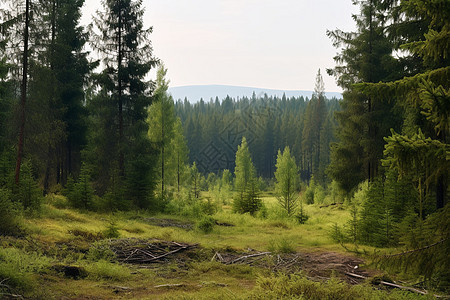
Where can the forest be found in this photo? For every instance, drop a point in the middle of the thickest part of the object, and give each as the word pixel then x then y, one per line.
pixel 107 183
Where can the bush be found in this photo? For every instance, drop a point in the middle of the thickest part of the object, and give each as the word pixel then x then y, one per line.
pixel 249 202
pixel 301 216
pixel 206 224
pixel 282 246
pixel 112 231
pixel 10 215
pixel 103 269
pixel 298 286
pixel 100 251
pixel 17 268
pixel 28 192
pixel 81 192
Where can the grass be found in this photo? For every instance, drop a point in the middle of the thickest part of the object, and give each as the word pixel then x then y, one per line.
pixel 63 236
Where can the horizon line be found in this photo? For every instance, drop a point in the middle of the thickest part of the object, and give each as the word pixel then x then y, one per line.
pixel 251 87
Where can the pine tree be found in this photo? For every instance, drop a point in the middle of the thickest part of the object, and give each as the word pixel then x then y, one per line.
pixel 122 98
pixel 364 120
pixel 161 120
pixel 286 185
pixel 246 183
pixel 179 154
pixel 316 113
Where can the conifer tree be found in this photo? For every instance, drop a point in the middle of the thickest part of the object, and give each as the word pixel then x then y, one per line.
pixel 246 183
pixel 315 116
pixel 364 121
pixel 161 120
pixel 286 185
pixel 122 98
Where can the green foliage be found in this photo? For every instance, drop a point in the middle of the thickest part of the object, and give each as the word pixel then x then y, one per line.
pixel 298 286
pixel 195 178
pixel 286 185
pixel 100 250
pixel 7 161
pixel 10 214
pixel 246 183
pixel 310 192
pixel 112 230
pixel 81 192
pixel 283 245
pixel 104 269
pixel 313 137
pixel 429 244
pixel 206 224
pixel 17 268
pixel 119 151
pixel 161 121
pixel 301 215
pixel 422 159
pixel 27 193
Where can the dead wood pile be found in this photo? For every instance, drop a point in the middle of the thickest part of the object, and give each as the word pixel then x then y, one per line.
pixel 137 251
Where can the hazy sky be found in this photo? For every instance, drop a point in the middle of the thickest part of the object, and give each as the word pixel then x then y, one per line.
pixel 277 44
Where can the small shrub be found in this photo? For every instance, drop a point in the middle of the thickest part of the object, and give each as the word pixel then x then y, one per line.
pixel 263 212
pixel 80 193
pixel 10 215
pixel 337 234
pixel 309 196
pixel 28 192
pixel 112 231
pixel 100 251
pixel 250 202
pixel 57 201
pixel 206 224
pixel 104 269
pixel 301 216
pixel 17 268
pixel 208 207
pixel 282 246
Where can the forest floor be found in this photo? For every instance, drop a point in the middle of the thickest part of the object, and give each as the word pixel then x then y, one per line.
pixel 66 256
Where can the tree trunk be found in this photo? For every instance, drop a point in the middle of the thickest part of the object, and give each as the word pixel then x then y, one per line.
pixel 23 96
pixel 119 77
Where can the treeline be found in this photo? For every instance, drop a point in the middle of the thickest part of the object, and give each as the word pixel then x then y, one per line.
pixel 394 131
pixel 70 123
pixel 214 129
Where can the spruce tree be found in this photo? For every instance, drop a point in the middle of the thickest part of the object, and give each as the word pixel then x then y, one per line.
pixel 161 120
pixel 366 56
pixel 286 185
pixel 122 99
pixel 246 183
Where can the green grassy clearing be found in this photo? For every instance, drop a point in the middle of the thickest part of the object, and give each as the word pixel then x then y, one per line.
pixel 63 237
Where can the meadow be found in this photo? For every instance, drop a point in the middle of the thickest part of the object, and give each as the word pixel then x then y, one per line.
pixel 66 255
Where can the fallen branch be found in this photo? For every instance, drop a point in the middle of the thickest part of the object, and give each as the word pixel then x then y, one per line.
pixel 165 254
pixel 247 256
pixel 415 250
pixel 217 254
pixel 11 295
pixel 402 287
pixel 169 285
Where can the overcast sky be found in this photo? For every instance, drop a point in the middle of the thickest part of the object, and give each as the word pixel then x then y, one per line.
pixel 277 44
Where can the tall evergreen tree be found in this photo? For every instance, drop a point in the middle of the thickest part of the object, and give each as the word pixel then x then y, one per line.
pixel 123 97
pixel 316 113
pixel 161 120
pixel 179 154
pixel 366 57
pixel 246 183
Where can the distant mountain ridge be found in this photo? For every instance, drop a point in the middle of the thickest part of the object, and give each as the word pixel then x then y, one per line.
pixel 196 92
